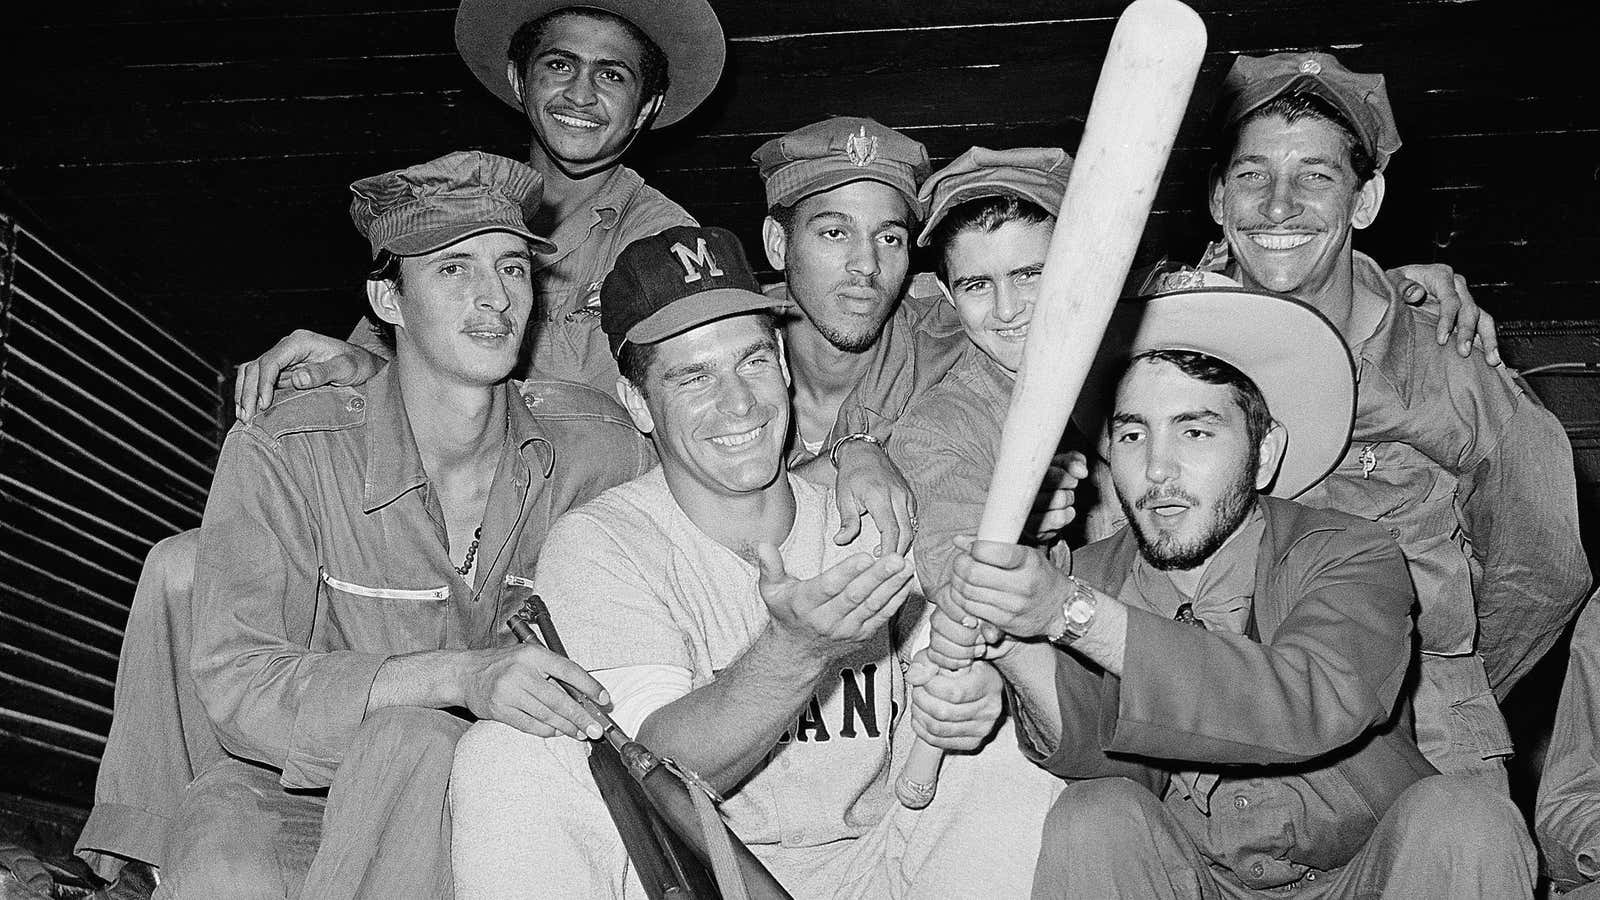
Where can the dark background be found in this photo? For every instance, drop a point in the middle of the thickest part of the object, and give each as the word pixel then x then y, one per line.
pixel 200 151
pixel 195 156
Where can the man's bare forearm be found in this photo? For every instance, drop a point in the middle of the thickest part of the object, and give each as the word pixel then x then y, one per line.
pixel 1030 671
pixel 432 678
pixel 747 708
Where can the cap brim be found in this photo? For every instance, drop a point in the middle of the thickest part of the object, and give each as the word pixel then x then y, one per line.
pixel 435 238
pixel 1050 205
pixel 840 177
pixel 1290 350
pixel 687 31
pixel 1256 95
pixel 697 309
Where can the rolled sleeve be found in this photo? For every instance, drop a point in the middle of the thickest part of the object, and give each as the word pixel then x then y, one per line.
pixel 271 698
pixel 949 475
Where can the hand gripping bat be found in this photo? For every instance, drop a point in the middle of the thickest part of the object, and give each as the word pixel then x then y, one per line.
pixel 652 803
pixel 1138 103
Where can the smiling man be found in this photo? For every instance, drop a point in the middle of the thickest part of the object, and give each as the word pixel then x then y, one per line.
pixel 1456 459
pixel 991 214
pixel 352 557
pixel 1220 680
pixel 738 638
pixel 590 78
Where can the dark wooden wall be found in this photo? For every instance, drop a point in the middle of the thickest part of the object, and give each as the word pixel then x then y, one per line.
pixel 199 151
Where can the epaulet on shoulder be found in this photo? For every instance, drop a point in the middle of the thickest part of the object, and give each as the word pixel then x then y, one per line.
pixel 1309 520
pixel 553 398
pixel 317 409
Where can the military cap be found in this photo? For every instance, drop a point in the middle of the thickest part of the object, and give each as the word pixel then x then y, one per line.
pixel 835 152
pixel 1035 174
pixel 687 31
pixel 419 209
pixel 668 283
pixel 1361 98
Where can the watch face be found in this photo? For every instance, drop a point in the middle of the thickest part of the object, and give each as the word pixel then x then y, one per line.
pixel 1080 611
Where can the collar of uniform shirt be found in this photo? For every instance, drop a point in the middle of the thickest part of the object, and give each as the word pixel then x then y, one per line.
pixel 1227 584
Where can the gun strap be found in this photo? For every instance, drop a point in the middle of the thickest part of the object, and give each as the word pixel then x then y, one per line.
pixel 723 865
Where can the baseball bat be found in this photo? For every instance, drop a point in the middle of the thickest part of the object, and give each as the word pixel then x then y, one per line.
pixel 1139 101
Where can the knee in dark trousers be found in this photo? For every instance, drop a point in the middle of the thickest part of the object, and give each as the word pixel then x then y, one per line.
pixel 226 847
pixel 1455 817
pixel 172 559
pixel 402 736
pixel 1097 816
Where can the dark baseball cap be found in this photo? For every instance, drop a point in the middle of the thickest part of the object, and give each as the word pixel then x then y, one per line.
pixel 835 152
pixel 1361 98
pixel 422 208
pixel 670 282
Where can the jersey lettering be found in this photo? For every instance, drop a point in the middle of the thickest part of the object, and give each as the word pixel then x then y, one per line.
pixel 695 260
pixel 859 708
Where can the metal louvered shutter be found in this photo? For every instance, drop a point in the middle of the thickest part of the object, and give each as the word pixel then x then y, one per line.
pixel 108 434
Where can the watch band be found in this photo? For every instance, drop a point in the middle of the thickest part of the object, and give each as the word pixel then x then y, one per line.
pixel 833 452
pixel 1077 613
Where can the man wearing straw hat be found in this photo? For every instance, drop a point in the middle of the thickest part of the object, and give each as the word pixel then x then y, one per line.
pixel 590 79
pixel 1220 680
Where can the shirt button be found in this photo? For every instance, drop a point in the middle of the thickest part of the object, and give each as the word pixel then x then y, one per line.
pixel 1241 801
pixel 1311 876
pixel 356 404
pixel 1258 870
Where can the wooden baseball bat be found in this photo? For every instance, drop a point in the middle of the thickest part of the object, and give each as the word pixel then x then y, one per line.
pixel 1133 120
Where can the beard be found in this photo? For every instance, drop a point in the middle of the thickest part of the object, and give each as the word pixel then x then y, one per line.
pixel 1165 551
pixel 858 341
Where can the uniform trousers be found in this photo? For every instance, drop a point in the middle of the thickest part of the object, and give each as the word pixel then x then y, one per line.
pixel 160 736
pixel 382 829
pixel 168 794
pixel 1449 837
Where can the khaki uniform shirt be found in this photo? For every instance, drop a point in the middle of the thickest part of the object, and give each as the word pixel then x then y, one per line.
pixel 323 553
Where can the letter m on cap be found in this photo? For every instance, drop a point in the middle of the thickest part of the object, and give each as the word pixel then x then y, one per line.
pixel 695 261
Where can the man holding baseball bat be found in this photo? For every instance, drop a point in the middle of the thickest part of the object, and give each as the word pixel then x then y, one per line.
pixel 737 637
pixel 1456 459
pixel 353 554
pixel 1221 679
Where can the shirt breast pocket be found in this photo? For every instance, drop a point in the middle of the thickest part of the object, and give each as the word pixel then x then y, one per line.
pixel 383 619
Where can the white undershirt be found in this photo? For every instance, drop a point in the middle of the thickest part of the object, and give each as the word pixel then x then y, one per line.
pixel 638 691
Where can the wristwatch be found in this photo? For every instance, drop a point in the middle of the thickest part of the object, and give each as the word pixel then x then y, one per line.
pixel 1077 613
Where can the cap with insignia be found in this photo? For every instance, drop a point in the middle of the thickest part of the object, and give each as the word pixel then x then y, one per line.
pixel 1361 98
pixel 835 152
pixel 422 208
pixel 1035 174
pixel 670 282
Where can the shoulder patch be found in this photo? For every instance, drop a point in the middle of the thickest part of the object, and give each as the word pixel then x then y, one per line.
pixel 550 398
pixel 318 409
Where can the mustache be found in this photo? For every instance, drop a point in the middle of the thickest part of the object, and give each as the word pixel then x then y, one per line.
pixel 869 283
pixel 494 323
pixel 1154 497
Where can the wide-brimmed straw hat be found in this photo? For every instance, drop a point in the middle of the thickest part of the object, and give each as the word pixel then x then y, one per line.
pixel 1289 349
pixel 687 31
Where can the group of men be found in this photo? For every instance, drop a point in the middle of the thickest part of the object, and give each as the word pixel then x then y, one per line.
pixel 751 513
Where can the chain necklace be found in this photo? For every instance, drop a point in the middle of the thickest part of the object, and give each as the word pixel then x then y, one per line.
pixel 472 552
